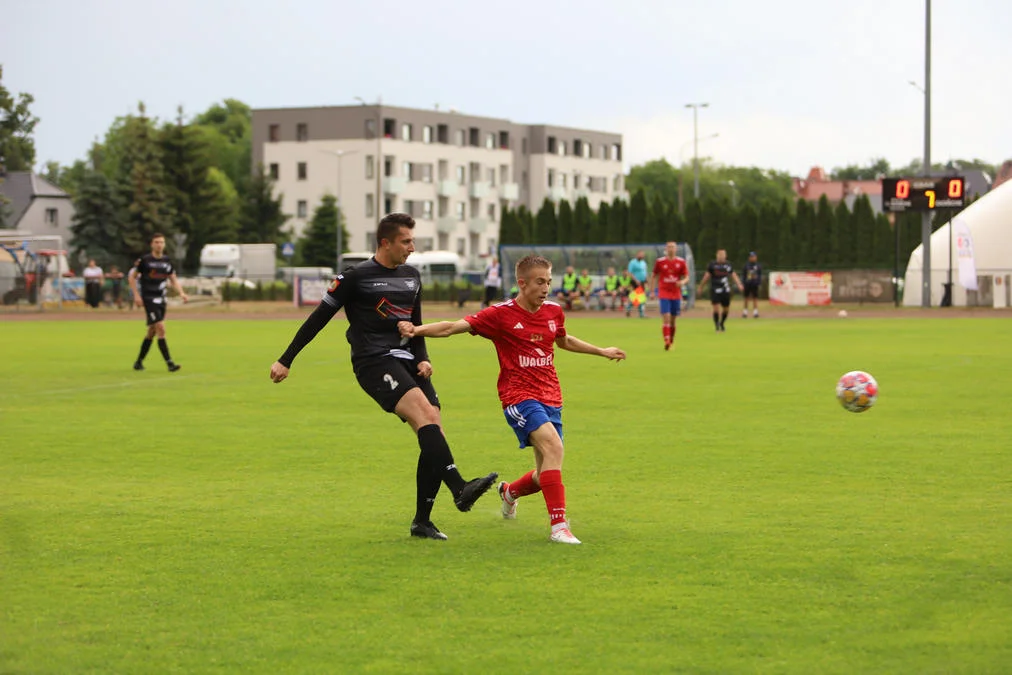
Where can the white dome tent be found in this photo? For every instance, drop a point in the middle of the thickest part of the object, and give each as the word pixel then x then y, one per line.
pixel 989 220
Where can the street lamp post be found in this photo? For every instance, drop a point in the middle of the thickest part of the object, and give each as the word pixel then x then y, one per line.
pixel 340 154
pixel 695 137
pixel 681 163
pixel 926 217
pixel 734 194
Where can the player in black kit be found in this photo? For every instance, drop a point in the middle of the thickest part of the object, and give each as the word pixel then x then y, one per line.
pixel 752 275
pixel 395 372
pixel 152 273
pixel 719 273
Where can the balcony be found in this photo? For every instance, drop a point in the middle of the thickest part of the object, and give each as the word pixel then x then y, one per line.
pixel 557 194
pixel 393 185
pixel 446 224
pixel 477 225
pixel 509 191
pixel 478 189
pixel 447 188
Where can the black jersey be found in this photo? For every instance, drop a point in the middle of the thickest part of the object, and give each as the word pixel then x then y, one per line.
pixel 153 276
pixel 752 274
pixel 720 276
pixel 375 298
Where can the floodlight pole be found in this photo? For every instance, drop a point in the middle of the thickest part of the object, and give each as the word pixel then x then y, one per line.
pixel 926 216
pixel 695 143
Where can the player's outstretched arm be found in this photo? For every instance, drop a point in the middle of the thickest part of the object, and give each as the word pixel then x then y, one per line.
pixel 313 324
pixel 737 281
pixel 179 287
pixel 702 283
pixel 435 329
pixel 132 282
pixel 572 344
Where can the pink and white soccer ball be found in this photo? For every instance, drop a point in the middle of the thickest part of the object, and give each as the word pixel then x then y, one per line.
pixel 857 391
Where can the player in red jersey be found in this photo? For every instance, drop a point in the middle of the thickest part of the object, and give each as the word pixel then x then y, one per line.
pixel 668 278
pixel 525 331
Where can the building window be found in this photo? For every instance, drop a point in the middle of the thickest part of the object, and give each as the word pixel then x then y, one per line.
pixel 370 205
pixel 491 245
pixel 370 166
pixel 426 172
pixel 274 171
pixel 427 210
pixel 562 148
pixel 370 239
pixel 388 167
pixel 551 178
pixel 617 183
pixel 491 176
pixel 604 152
pixel 523 179
pixel 562 180
pixel 578 147
pixel 490 141
pixel 405 132
pixel 553 145
pixel 576 180
pixel 423 244
pixel 389 126
pixel 426 134
pixel 388 203
pixel 460 176
pixel 586 151
pixel 491 212
pixel 616 152
pixel 301 209
pixel 274 133
pixel 52 217
pixel 302 132
pixel 370 129
pixel 443 133
pixel 475 172
pixel 523 146
pixel 444 207
pixel 407 172
pixel 504 140
pixel 474 134
pixel 461 246
pixel 303 171
pixel 461 210
pixel 475 208
pixel 444 169
pixel 504 174
pixel 459 134
pixel 444 241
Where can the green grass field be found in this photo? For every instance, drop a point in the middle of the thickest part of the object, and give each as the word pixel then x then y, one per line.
pixel 735 518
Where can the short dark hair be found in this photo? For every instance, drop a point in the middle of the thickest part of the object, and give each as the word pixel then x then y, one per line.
pixel 157 235
pixel 391 224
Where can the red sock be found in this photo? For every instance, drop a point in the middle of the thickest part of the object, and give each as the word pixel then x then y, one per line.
pixel 555 495
pixel 667 333
pixel 523 486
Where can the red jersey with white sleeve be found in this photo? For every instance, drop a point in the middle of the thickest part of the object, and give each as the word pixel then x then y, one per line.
pixel 525 343
pixel 668 271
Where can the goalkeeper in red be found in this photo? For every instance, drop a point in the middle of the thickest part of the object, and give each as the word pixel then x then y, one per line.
pixel 525 332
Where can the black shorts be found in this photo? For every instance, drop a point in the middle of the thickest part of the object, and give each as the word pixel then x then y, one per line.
pixel 722 299
pixel 387 379
pixel 154 312
pixel 752 291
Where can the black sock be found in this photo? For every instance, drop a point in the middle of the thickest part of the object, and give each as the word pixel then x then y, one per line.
pixel 723 318
pixel 427 483
pixel 145 347
pixel 716 320
pixel 163 347
pixel 436 453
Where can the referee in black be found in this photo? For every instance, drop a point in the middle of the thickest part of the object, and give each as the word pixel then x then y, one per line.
pixel 752 278
pixel 395 372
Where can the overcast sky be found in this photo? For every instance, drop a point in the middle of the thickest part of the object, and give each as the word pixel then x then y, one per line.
pixel 790 84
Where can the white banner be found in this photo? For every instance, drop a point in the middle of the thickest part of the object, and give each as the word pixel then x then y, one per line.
pixel 964 252
pixel 801 288
pixel 309 291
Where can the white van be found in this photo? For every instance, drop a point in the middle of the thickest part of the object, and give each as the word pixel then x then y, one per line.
pixel 354 258
pixel 439 266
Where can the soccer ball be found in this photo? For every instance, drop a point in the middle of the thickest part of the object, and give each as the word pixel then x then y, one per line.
pixel 857 391
pixel 842 314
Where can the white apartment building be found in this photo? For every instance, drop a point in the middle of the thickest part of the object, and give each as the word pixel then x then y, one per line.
pixel 454 173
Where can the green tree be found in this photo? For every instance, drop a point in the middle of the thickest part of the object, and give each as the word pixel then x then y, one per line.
pixel 97 227
pixel 526 219
pixel 748 233
pixel 261 217
pixel 658 215
pixel 583 222
pixel 656 177
pixel 227 129
pixel 801 228
pixel 875 168
pixel 841 240
pixel 318 246
pixel 599 226
pixel 510 229
pixel 141 186
pixel 637 219
pixel 674 225
pixel 823 231
pixel 564 223
pixel 17 126
pixel 767 234
pixel 692 224
pixel 618 218
pixel 883 242
pixel 546 229
pixel 67 178
pixel 863 225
